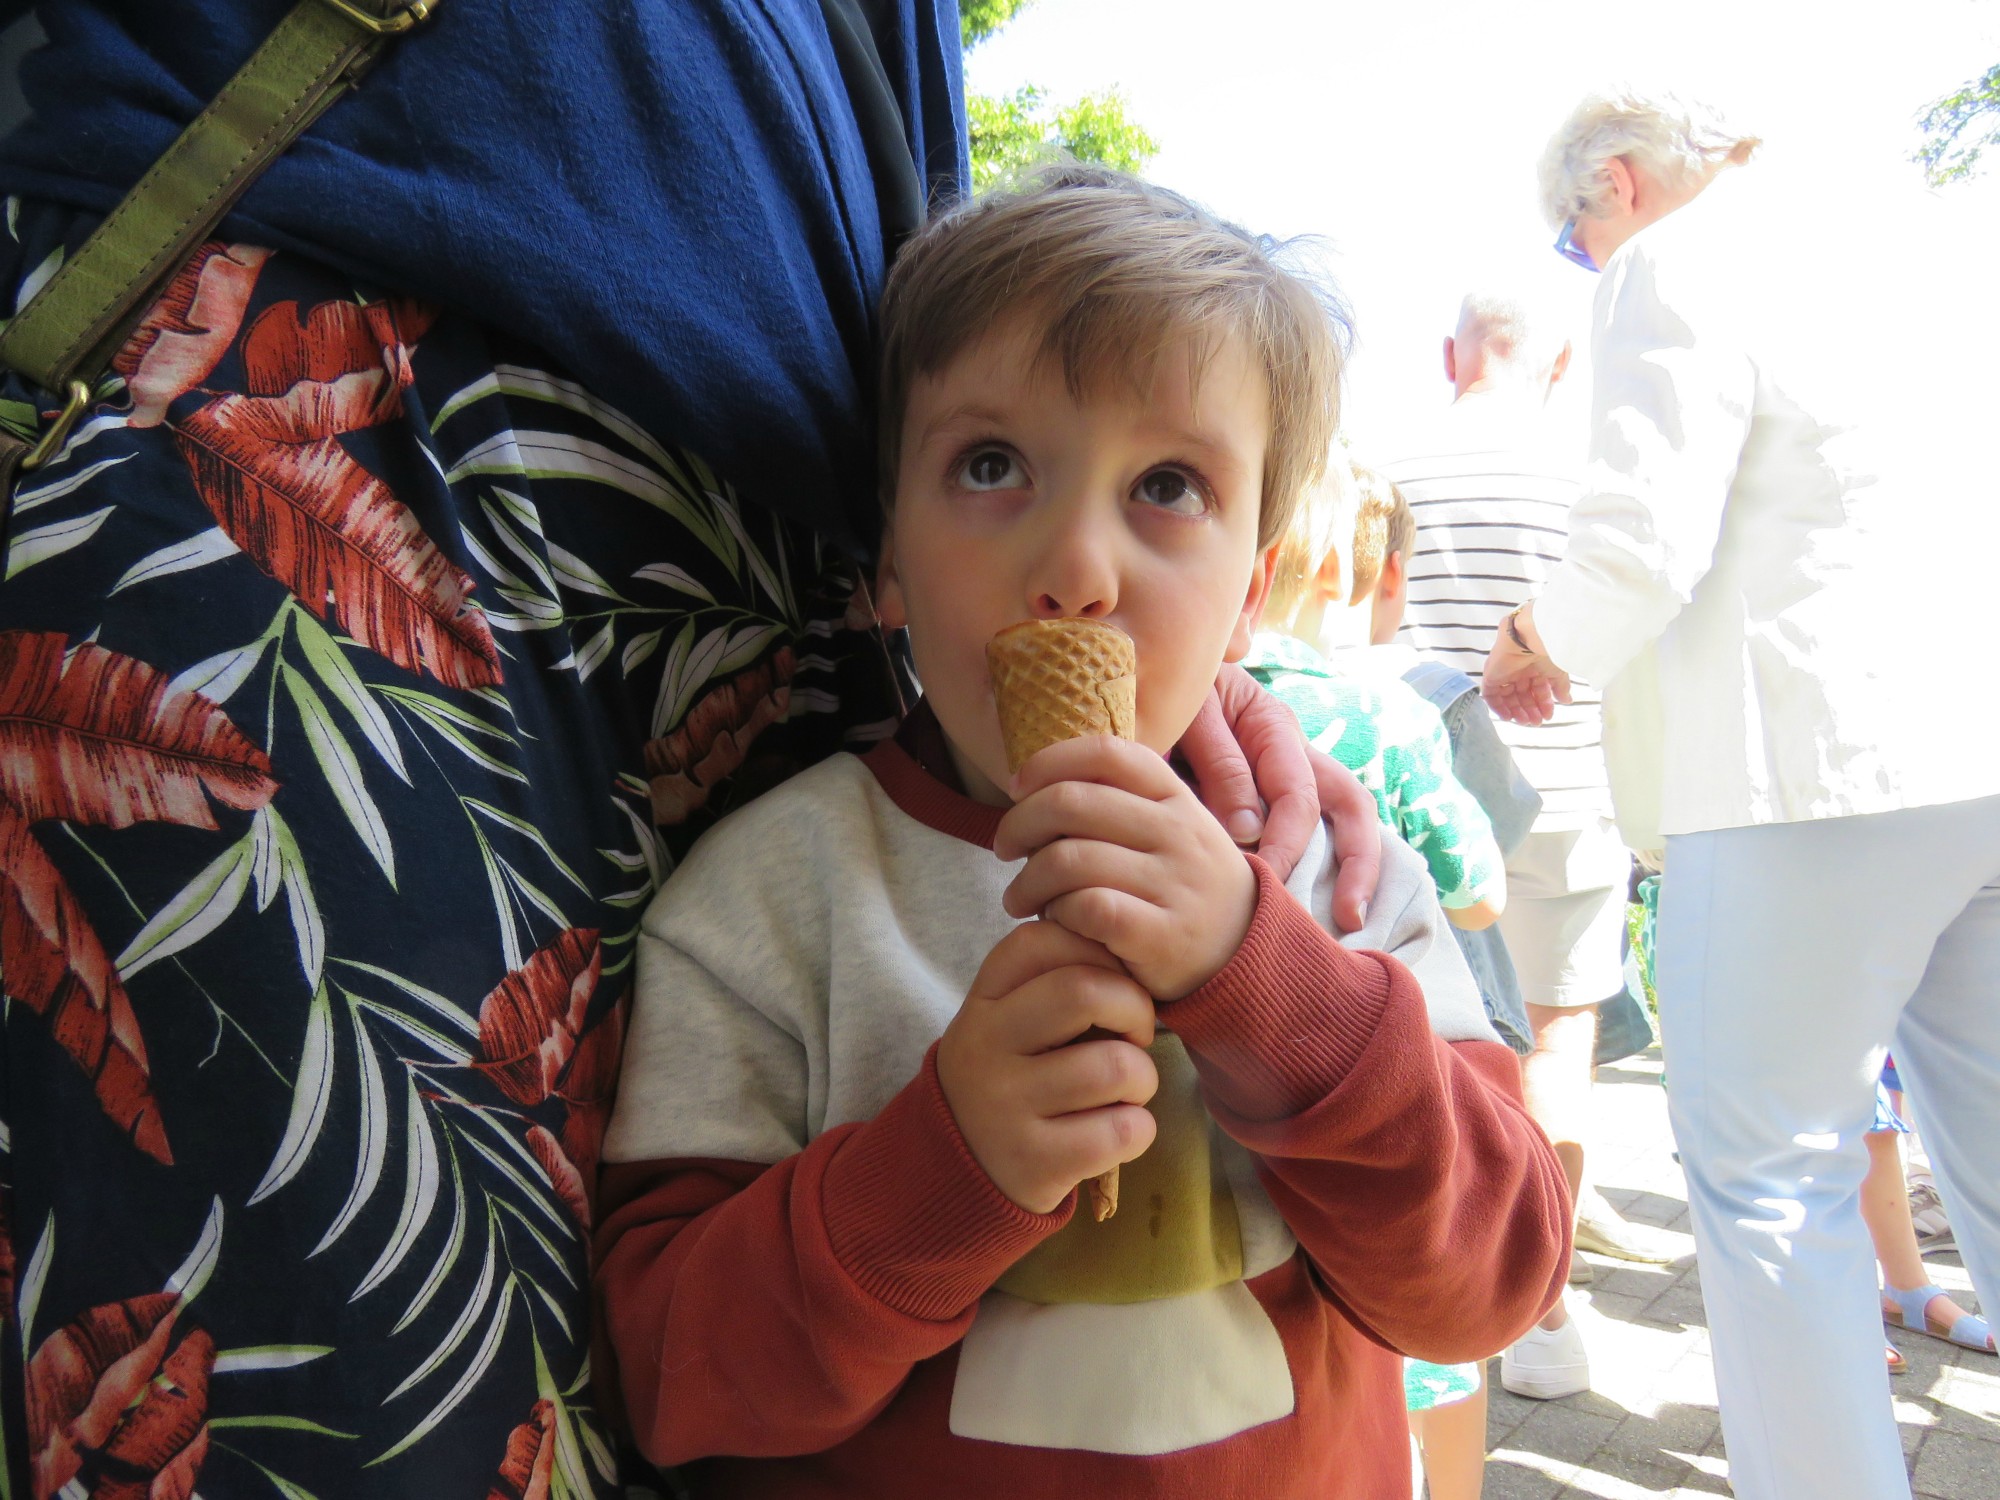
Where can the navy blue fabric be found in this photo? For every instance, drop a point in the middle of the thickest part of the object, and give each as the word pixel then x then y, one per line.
pixel 675 199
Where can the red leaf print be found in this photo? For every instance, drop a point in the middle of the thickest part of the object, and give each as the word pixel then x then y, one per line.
pixel 588 1089
pixel 593 1073
pixel 56 966
pixel 362 348
pixel 563 1175
pixel 184 335
pixel 715 736
pixel 531 1457
pixel 165 1437
pixel 319 523
pixel 6 1256
pixel 336 338
pixel 97 740
pixel 528 1026
pixel 89 1383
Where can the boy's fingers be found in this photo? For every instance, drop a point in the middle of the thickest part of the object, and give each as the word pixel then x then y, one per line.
pixel 1034 949
pixel 1089 1075
pixel 1052 1010
pixel 1081 1145
pixel 1070 865
pixel 1121 922
pixel 1078 810
pixel 1100 758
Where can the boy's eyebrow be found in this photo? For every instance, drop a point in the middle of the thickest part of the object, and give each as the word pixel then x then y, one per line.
pixel 969 411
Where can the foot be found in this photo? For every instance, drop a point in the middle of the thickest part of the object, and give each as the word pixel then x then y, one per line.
pixel 1601 1230
pixel 1545 1364
pixel 1897 1363
pixel 1942 1318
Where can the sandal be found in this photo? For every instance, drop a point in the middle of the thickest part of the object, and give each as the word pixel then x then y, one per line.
pixel 1897 1362
pixel 1912 1313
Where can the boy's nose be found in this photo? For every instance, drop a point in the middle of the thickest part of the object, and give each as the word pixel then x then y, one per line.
pixel 1075 578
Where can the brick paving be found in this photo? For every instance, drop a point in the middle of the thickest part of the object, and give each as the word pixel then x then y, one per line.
pixel 1649 1427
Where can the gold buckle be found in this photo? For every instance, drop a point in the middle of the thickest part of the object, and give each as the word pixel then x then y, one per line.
pixel 50 443
pixel 411 15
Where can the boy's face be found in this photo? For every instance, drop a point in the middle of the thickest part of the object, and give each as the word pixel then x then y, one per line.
pixel 1014 502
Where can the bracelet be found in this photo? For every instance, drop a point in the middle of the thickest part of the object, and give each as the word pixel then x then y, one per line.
pixel 1514 632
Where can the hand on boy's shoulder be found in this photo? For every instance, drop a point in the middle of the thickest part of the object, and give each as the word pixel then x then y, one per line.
pixel 1120 850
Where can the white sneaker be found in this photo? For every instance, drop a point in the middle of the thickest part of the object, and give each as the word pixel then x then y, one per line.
pixel 1544 1365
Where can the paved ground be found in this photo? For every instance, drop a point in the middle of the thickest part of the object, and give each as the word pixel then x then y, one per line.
pixel 1649 1428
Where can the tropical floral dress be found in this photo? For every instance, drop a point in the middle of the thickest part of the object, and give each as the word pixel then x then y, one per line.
pixel 360 678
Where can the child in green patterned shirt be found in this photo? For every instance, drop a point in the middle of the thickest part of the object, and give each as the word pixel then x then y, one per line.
pixel 1357 708
pixel 1359 711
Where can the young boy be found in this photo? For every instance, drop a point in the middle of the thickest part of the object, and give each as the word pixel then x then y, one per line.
pixel 842 1255
pixel 1356 707
pixel 1417 735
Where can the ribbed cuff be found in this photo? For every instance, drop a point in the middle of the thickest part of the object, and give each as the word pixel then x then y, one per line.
pixel 1288 1017
pixel 914 1219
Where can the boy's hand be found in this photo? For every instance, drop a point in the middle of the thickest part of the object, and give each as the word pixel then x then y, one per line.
pixel 1120 850
pixel 1040 1110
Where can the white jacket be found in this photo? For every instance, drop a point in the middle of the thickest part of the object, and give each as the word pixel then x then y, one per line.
pixel 1779 563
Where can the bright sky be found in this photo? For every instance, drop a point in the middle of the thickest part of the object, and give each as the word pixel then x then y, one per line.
pixel 1406 132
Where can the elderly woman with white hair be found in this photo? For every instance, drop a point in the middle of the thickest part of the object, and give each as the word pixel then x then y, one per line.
pixel 1759 576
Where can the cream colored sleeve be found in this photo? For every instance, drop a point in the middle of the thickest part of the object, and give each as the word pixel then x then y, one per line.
pixel 1672 402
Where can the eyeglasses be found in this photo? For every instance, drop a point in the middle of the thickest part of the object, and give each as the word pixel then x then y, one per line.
pixel 1568 248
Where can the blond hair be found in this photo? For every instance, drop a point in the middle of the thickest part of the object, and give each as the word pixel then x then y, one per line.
pixel 1117 272
pixel 1384 525
pixel 1309 541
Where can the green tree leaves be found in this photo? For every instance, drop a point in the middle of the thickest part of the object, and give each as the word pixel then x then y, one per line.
pixel 1013 132
pixel 1958 128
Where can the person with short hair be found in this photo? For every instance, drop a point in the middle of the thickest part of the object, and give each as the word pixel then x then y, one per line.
pixel 1443 781
pixel 841 1252
pixel 1778 557
pixel 1492 485
pixel 1376 725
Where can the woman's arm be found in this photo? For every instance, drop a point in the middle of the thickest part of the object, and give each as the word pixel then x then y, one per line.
pixel 1672 405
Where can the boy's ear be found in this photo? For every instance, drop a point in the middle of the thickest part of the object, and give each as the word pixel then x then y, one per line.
pixel 1253 605
pixel 890 608
pixel 1393 577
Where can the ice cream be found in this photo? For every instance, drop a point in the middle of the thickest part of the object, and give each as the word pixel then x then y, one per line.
pixel 1054 680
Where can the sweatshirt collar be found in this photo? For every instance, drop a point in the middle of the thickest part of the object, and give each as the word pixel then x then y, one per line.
pixel 914 769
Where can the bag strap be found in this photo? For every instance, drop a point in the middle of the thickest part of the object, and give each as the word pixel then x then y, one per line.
pixel 64 339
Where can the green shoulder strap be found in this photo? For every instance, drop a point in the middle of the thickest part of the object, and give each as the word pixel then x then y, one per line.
pixel 63 340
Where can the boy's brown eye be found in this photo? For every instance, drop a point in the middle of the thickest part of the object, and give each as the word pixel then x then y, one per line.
pixel 989 469
pixel 1170 489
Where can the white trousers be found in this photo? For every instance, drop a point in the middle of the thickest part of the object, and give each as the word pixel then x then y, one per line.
pixel 1791 956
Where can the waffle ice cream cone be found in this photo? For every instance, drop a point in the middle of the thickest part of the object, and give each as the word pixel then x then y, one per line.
pixel 1054 680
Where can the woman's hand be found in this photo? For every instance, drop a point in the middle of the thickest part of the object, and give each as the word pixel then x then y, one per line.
pixel 1244 743
pixel 1520 683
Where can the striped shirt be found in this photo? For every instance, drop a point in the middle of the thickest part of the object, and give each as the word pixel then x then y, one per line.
pixel 1491 524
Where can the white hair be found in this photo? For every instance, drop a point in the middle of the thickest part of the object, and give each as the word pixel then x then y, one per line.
pixel 1674 139
pixel 1501 322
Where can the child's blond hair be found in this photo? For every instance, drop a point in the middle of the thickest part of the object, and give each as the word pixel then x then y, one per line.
pixel 1117 272
pixel 1383 525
